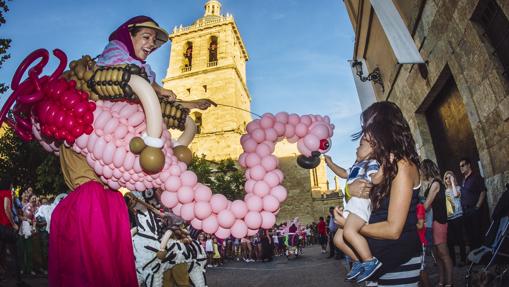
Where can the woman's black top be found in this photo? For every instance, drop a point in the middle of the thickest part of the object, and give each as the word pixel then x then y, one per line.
pixel 394 253
pixel 438 205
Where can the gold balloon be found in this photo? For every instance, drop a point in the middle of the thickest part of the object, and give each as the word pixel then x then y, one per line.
pixel 136 145
pixel 183 154
pixel 152 159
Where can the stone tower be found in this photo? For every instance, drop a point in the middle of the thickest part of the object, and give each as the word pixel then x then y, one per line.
pixel 208 60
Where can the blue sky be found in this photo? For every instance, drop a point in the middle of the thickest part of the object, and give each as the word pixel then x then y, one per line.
pixel 298 50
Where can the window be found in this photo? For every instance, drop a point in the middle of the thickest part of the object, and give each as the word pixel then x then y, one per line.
pixel 496 28
pixel 205 88
pixel 213 50
pixel 188 57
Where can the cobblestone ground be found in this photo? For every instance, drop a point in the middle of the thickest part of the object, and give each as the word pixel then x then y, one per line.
pixel 309 270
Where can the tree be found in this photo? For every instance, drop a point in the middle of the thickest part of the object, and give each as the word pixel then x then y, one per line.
pixel 27 164
pixel 222 177
pixel 4 43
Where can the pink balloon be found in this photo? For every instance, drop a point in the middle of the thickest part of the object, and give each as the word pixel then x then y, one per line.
pixel 263 150
pixel 202 209
pixel 218 203
pixel 249 145
pixel 289 131
pixel 279 128
pixel 252 159
pixel 239 209
pixel 242 160
pixel 187 211
pixel 222 233
pixel 280 174
pixel 239 229
pixel 268 219
pixel 172 183
pixel 209 224
pixel 261 188
pixel 174 170
pixel 258 135
pixel 270 203
pixel 293 139
pixel 301 146
pixel 226 218
pixel 282 117
pixel 266 122
pixel 247 175
pixel 257 172
pixel 196 223
pixel 202 193
pixel 176 209
pixel 272 179
pixel 253 125
pixel 269 162
pixel 271 134
pixel 251 232
pixel 182 166
pixel 312 142
pixel 188 178
pixel 306 119
pixel 249 186
pixel 253 220
pixel 279 192
pixel 293 119
pixel 254 203
pixel 244 138
pixel 185 194
pixel 301 130
pixel 320 131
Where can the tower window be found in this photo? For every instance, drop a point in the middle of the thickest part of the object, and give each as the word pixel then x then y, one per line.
pixel 198 122
pixel 189 91
pixel 188 57
pixel 496 28
pixel 205 88
pixel 213 50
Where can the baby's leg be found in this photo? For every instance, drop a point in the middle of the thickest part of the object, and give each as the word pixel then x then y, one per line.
pixel 351 233
pixel 341 244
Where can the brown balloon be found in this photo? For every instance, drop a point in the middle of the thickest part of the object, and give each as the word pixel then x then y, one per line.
pixel 136 145
pixel 183 154
pixel 152 159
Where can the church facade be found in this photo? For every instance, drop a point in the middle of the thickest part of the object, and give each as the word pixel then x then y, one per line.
pixel 208 60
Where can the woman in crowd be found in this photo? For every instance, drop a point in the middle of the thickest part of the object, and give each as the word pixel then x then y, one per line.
pixel 391 232
pixel 435 199
pixel 455 218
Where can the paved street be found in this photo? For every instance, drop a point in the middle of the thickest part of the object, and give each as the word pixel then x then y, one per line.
pixel 312 269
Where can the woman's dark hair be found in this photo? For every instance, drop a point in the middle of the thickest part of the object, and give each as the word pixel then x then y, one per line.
pixel 430 170
pixel 389 134
pixel 134 30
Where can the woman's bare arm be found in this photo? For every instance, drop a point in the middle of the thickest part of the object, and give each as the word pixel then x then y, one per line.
pixel 435 188
pixel 399 204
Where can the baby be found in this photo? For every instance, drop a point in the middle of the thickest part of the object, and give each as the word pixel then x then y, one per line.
pixel 357 211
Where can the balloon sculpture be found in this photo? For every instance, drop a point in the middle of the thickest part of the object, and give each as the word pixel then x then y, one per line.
pixel 105 131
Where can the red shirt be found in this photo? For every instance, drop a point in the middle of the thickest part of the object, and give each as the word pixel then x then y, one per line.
pixel 421 215
pixel 321 228
pixel 4 220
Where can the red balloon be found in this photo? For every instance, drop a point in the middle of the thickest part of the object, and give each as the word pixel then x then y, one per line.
pixel 70 122
pixel 89 129
pixel 80 109
pixel 91 106
pixel 60 119
pixel 77 131
pixel 88 118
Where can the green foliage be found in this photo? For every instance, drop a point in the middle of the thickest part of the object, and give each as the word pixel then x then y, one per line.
pixel 223 177
pixel 4 43
pixel 27 164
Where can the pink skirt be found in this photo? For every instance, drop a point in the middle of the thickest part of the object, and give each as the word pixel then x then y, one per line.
pixel 90 240
pixel 439 231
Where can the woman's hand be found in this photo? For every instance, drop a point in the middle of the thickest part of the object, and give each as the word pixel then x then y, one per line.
pixel 360 188
pixel 338 216
pixel 169 94
pixel 201 104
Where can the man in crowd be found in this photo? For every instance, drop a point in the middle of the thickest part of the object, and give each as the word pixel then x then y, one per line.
pixel 473 202
pixel 322 234
pixel 333 250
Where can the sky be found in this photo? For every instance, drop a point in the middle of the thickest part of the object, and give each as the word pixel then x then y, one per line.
pixel 298 50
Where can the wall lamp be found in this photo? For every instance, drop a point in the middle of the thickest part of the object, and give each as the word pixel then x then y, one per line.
pixel 375 76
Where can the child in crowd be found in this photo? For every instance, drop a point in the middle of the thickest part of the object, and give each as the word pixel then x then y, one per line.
pixel 421 230
pixel 216 257
pixel 209 249
pixel 357 212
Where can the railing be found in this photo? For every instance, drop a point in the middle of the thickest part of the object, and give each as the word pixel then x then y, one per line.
pixel 212 64
pixel 186 69
pixel 202 23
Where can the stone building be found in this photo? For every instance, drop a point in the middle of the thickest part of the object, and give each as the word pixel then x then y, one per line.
pixel 457 99
pixel 208 60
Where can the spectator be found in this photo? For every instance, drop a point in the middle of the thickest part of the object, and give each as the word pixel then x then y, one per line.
pixel 322 234
pixel 421 230
pixel 455 218
pixel 473 195
pixel 435 199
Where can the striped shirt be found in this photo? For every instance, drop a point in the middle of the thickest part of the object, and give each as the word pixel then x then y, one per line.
pixel 362 170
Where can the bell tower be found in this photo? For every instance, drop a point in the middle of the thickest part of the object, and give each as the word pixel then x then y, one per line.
pixel 208 60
